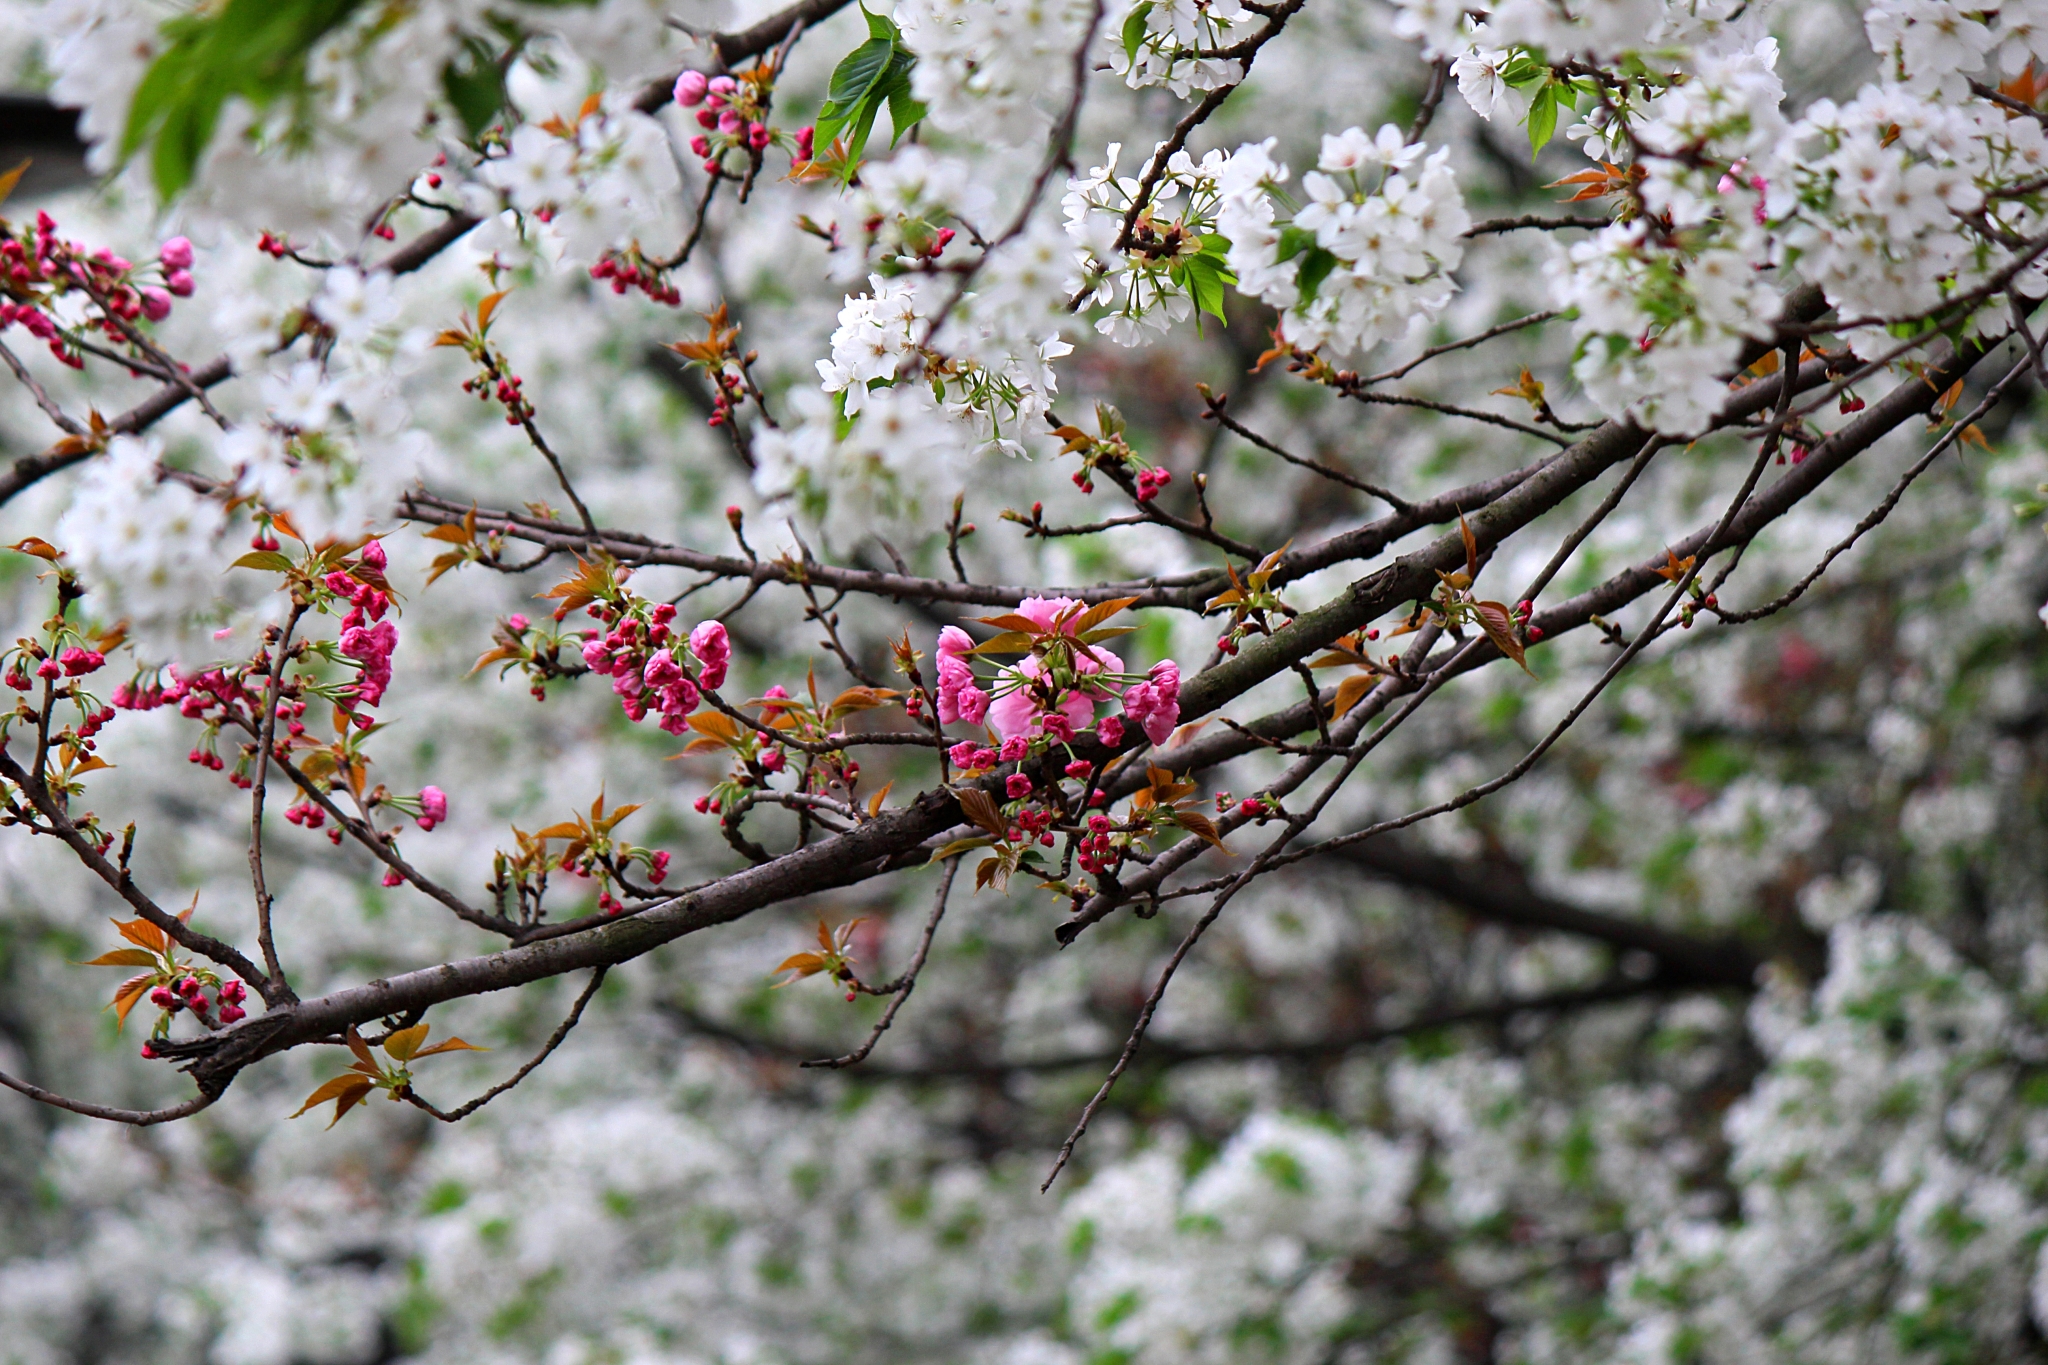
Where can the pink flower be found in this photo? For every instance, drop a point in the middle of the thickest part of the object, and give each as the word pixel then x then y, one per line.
pixel 954 643
pixel 1110 731
pixel 433 807
pixel 690 88
pixel 1155 703
pixel 962 754
pixel 1019 711
pixel 713 649
pixel 176 254
pixel 960 697
pixel 516 623
pixel 372 646
pixel 1014 748
pixel 1017 785
pixel 373 555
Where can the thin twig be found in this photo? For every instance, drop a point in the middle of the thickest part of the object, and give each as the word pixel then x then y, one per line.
pixel 266 738
pixel 904 984
pixel 554 1041
pixel 138 1118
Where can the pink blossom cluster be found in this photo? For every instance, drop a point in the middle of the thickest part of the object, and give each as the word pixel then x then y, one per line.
pixel 725 110
pixel 1155 703
pixel 1026 701
pixel 960 696
pixel 189 993
pixel 366 636
pixel 626 271
pixel 1150 481
pixel 74 661
pixel 44 259
pixel 310 816
pixel 645 661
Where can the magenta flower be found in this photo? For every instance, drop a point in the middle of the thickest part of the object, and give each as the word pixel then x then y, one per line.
pixel 713 649
pixel 433 807
pixel 1155 703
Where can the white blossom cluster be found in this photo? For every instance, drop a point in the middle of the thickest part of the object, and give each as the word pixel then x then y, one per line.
pixel 1173 43
pixel 1386 226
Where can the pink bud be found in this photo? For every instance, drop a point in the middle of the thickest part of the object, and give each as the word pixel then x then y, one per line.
pixel 176 254
pixel 516 623
pixel 728 121
pixel 757 136
pixel 232 1014
pixel 722 85
pixel 690 88
pixel 373 555
pixel 156 304
pixel 179 282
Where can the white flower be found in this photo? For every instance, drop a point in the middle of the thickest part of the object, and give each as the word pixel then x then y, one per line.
pixel 355 305
pixel 537 169
pixel 1352 150
pixel 147 548
pixel 301 397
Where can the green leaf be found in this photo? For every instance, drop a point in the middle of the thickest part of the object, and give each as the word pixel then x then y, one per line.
pixel 256 49
pixel 1542 118
pixel 1204 276
pixel 874 75
pixel 1134 28
pixel 1315 268
pixel 475 86
pixel 263 559
pixel 905 113
pixel 1295 240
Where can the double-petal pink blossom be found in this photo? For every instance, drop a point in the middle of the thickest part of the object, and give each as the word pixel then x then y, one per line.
pixel 713 649
pixel 960 697
pixel 1022 709
pixel 1155 703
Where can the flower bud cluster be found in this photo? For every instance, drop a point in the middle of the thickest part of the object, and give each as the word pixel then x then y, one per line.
pixel 38 266
pixel 366 636
pixel 628 269
pixel 188 992
pixel 733 113
pixel 646 660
